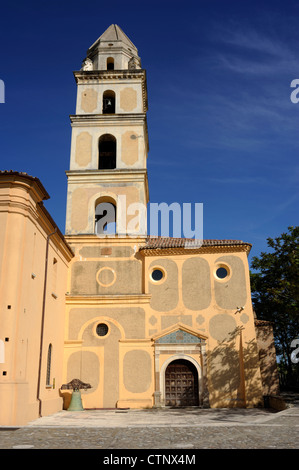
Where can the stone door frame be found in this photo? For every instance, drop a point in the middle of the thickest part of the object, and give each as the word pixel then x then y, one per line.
pixel 178 351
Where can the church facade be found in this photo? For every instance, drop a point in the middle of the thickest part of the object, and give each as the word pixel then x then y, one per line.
pixel 147 321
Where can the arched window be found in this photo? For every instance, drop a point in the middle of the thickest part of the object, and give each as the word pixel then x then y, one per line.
pixel 49 358
pixel 107 152
pixel 105 217
pixel 110 63
pixel 108 102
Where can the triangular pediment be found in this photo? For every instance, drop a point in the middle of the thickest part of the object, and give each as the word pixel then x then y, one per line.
pixel 179 334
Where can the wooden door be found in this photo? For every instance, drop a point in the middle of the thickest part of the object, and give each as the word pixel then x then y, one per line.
pixel 181 384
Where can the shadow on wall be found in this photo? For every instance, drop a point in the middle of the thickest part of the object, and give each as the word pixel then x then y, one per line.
pixel 230 365
pixel 267 357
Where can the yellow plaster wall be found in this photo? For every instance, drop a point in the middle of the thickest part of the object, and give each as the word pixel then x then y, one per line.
pixel 136 377
pixel 128 99
pixel 231 356
pixel 126 317
pixel 82 201
pixel 83 149
pixel 23 231
pixel 128 96
pixel 131 149
pixel 114 285
pixel 89 100
pixel 129 145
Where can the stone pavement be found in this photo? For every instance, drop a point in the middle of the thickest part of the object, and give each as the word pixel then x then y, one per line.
pixel 180 429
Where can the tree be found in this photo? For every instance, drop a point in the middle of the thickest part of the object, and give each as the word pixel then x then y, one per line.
pixel 275 295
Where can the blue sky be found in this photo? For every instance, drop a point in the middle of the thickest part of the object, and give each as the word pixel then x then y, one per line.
pixel 222 128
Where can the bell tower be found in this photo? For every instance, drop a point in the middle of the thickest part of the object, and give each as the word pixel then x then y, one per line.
pixel 107 178
pixel 106 216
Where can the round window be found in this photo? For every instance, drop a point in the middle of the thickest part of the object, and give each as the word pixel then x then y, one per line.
pixel 102 329
pixel 157 275
pixel 222 272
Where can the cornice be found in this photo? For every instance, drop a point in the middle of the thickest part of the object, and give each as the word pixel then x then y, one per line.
pixel 91 239
pixel 107 176
pixel 180 326
pixel 31 205
pixel 202 250
pixel 98 76
pixel 91 75
pixel 108 299
pixel 116 176
pixel 14 179
pixel 24 208
pixel 108 119
pixel 119 120
pixel 136 341
pixel 46 221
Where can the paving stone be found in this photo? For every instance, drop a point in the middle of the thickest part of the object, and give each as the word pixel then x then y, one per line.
pixel 163 429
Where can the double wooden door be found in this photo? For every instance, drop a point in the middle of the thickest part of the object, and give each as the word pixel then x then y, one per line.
pixel 181 384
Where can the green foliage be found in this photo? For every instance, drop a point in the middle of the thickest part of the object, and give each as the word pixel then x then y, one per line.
pixel 275 293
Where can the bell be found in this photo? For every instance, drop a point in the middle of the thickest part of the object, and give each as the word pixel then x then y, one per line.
pixel 76 402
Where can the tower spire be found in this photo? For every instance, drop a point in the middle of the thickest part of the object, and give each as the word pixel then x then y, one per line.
pixel 109 139
pixel 114 44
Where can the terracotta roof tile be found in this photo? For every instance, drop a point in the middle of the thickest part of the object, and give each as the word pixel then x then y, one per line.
pixel 169 242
